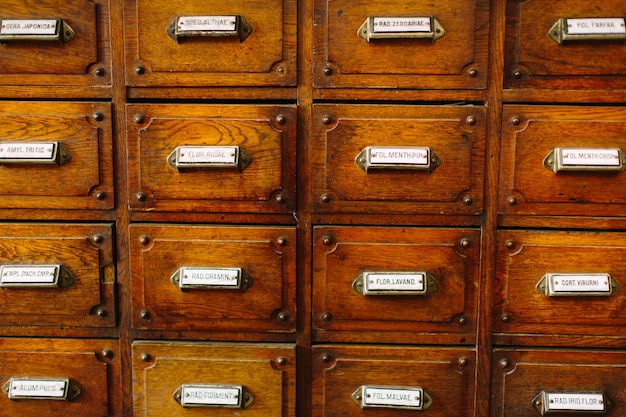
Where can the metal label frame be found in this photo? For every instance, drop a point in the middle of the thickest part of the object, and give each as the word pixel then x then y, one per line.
pixel 52 153
pixel 183 395
pixel 362 284
pixel 368 30
pixel 547 285
pixel 69 389
pixel 61 277
pixel 363 397
pixel 243 280
pixel 616 160
pixel 209 26
pixel 63 32
pixel 421 158
pixel 560 32
pixel 240 159
pixel 596 402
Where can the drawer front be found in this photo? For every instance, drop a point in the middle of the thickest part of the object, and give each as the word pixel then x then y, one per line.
pixel 211 379
pixel 395 281
pixel 552 282
pixel 210 43
pixel 392 381
pixel 53 43
pixel 60 377
pixel 216 278
pixel 212 158
pixel 530 383
pixel 56 155
pixel 400 44
pixel 559 160
pixel 565 45
pixel 398 159
pixel 57 275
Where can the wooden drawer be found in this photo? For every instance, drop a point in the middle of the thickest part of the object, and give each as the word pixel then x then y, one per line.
pixel 357 44
pixel 530 383
pixel 563 160
pixel 567 44
pixel 221 158
pixel 72 46
pixel 398 159
pixel 211 379
pixel 380 380
pixel 56 155
pixel 234 43
pixel 217 278
pixel 57 275
pixel 553 282
pixel 60 377
pixel 383 283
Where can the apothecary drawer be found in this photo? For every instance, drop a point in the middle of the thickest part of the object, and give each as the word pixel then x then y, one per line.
pixel 61 48
pixel 560 282
pixel 56 155
pixel 60 275
pixel 218 278
pixel 196 43
pixel 400 44
pixel 213 379
pixel 397 381
pixel 398 159
pixel 563 160
pixel 211 158
pixel 540 382
pixel 395 284
pixel 60 377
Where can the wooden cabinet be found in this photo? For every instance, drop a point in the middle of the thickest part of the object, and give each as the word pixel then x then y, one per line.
pixel 312 207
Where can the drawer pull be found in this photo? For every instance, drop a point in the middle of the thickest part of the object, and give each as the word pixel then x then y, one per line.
pixel 213 395
pixel 414 27
pixel 35 276
pixel 395 283
pixel 565 402
pixel 211 278
pixel 208 26
pixel 576 285
pixel 26 388
pixel 46 153
pixel 588 29
pixel 185 158
pixel 398 157
pixel 381 396
pixel 585 159
pixel 35 30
